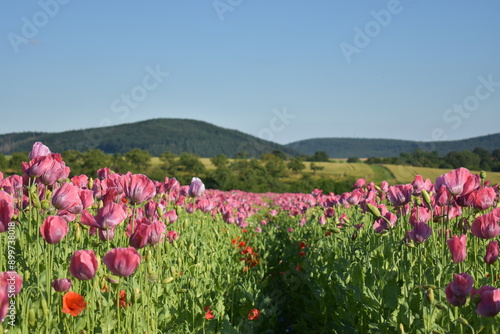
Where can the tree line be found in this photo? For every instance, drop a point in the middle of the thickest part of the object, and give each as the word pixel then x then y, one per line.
pixel 477 159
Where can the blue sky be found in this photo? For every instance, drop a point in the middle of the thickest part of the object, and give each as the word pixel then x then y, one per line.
pixel 284 70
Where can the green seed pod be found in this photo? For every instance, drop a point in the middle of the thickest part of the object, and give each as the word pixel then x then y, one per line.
pixel 78 232
pixel 426 197
pixel 440 306
pixel 112 278
pixel 418 201
pixel 430 295
pixel 159 211
pixel 45 307
pixel 36 202
pixel 31 317
pixel 136 295
pixel 374 210
pixel 45 204
pixel 167 280
pixel 33 189
pixel 26 275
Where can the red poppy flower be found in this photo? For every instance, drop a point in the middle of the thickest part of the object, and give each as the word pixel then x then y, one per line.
pixel 123 298
pixel 73 303
pixel 253 314
pixel 208 313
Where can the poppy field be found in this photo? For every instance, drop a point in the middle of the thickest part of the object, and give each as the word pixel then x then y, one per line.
pixel 122 253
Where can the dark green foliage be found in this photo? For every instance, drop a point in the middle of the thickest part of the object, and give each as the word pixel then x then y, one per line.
pixel 478 159
pixel 340 148
pixel 296 165
pixel 319 156
pixel 3 162
pixel 155 136
pixel 353 160
pixel 16 159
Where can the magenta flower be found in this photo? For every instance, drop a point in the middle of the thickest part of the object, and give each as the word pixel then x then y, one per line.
pixel 61 284
pixel 67 197
pixel 458 247
pixel 83 264
pixel 57 170
pixel 380 225
pixel 491 252
pixel 172 235
pixel 137 187
pixel 4 304
pixel 458 182
pixel 11 282
pixel 459 289
pixel 53 229
pixel 170 216
pixel 489 306
pixel 196 188
pixel 400 194
pixel 484 198
pixel 38 150
pixel 419 215
pixel 6 210
pixel 110 215
pixel 420 232
pixel 122 261
pixel 486 226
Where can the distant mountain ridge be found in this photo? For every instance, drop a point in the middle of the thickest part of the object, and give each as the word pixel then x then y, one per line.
pixel 207 140
pixel 156 136
pixel 365 148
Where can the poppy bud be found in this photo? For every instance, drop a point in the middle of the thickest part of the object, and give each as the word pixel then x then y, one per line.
pixel 167 280
pixel 374 210
pixel 91 183
pixel 78 233
pixel 45 307
pixel 32 317
pixel 45 204
pixel 36 202
pixel 136 295
pixel 112 278
pixel 426 197
pixel 430 295
pixel 26 275
pixel 482 175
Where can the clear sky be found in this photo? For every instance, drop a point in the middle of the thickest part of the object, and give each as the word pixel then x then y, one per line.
pixel 284 70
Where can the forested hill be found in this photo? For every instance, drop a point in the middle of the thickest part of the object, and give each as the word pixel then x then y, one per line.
pixel 156 136
pixel 365 148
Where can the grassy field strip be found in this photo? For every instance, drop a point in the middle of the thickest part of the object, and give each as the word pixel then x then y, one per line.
pixel 406 174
